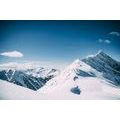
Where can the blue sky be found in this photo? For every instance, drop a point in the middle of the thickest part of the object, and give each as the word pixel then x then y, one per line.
pixel 59 42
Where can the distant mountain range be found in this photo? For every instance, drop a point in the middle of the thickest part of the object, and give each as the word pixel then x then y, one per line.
pixel 29 78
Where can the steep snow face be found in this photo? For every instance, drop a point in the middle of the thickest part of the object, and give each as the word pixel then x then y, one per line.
pixel 80 81
pixel 106 65
pixel 33 78
pixel 70 77
pixel 82 69
pixel 76 69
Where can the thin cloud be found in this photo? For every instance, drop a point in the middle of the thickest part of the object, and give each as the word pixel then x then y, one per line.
pixel 115 33
pixel 100 40
pixel 104 41
pixel 15 54
pixel 107 41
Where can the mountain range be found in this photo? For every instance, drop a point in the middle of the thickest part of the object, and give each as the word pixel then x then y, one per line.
pixel 30 78
pixel 83 77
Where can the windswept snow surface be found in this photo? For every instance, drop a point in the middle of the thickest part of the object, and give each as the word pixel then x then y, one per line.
pixel 91 89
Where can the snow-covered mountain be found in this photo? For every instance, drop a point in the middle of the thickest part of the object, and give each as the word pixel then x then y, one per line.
pixel 33 78
pixel 95 77
pixel 70 77
pixel 109 67
pixel 82 78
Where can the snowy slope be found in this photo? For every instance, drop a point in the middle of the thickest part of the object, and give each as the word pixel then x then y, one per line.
pixel 15 92
pixel 73 72
pixel 95 77
pixel 91 89
pixel 71 84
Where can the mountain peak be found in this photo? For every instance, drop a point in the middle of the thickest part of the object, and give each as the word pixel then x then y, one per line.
pixel 77 61
pixel 101 53
pixel 78 65
pixel 103 63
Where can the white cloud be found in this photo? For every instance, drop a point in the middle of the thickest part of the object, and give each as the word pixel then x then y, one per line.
pixel 104 41
pixel 107 41
pixel 15 54
pixel 115 33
